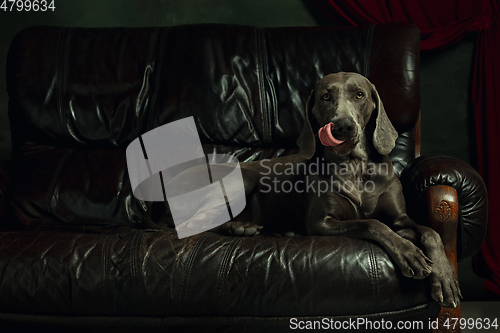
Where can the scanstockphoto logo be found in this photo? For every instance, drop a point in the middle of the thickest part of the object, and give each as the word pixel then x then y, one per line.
pixel 202 191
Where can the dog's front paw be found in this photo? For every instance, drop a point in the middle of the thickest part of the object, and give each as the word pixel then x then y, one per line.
pixel 444 284
pixel 412 261
pixel 242 229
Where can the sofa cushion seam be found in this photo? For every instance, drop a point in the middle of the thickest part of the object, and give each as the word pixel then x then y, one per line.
pixel 52 185
pixel 104 274
pixel 375 276
pixel 161 55
pixel 60 69
pixel 223 271
pixel 260 85
pixel 134 272
pixel 187 271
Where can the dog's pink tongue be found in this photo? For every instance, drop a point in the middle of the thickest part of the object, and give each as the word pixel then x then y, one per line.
pixel 326 137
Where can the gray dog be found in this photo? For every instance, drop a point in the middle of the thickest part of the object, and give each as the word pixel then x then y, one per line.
pixel 341 184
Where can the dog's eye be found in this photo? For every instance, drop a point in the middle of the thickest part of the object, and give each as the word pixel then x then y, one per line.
pixel 360 95
pixel 325 97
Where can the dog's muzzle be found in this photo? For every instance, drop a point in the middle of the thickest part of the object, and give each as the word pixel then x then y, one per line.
pixel 326 136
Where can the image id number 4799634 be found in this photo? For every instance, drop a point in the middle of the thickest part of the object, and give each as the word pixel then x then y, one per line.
pixel 27 5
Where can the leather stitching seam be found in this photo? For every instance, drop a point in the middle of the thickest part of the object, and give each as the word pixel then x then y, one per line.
pixel 134 272
pixel 104 274
pixel 157 71
pixel 60 76
pixel 187 272
pixel 223 272
pixel 52 186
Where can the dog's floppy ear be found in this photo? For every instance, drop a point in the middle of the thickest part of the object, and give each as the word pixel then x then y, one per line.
pixel 384 135
pixel 306 140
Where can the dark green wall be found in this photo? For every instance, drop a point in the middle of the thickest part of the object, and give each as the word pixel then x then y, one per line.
pixel 447 114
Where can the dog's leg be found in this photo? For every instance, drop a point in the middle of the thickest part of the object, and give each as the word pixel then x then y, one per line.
pixel 231 228
pixel 445 286
pixel 239 229
pixel 207 210
pixel 444 283
pixel 412 261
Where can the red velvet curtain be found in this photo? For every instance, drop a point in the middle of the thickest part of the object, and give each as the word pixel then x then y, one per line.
pixel 443 23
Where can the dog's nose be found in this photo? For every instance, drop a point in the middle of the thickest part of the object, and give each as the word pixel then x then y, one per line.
pixel 343 126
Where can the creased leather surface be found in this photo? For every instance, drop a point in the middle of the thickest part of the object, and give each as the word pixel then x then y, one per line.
pixel 99 89
pixel 403 152
pixel 135 272
pixel 432 170
pixel 107 86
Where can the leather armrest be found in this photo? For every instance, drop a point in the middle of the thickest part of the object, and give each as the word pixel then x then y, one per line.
pixel 433 170
pixel 443 212
pixel 4 179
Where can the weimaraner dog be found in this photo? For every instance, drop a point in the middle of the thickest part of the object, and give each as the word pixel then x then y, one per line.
pixel 341 184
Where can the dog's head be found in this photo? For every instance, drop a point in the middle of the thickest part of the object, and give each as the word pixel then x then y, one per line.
pixel 338 111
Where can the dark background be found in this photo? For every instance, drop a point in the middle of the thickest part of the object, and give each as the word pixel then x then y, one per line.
pixel 447 116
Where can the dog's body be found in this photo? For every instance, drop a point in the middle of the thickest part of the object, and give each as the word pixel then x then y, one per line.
pixel 355 192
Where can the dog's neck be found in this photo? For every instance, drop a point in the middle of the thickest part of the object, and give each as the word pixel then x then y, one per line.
pixel 360 153
pixel 358 166
pixel 362 158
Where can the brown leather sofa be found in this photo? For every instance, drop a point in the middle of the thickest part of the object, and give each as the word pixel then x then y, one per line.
pixel 74 248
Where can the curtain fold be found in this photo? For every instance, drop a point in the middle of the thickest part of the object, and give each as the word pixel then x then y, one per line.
pixel 443 23
pixel 486 100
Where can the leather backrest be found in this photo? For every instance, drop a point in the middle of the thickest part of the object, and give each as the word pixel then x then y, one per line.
pixel 79 96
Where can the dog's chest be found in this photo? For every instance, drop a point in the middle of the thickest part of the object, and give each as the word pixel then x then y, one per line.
pixel 357 182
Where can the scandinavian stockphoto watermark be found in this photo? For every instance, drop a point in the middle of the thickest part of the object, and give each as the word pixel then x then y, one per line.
pixel 341 177
pixel 198 201
pixel 205 191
